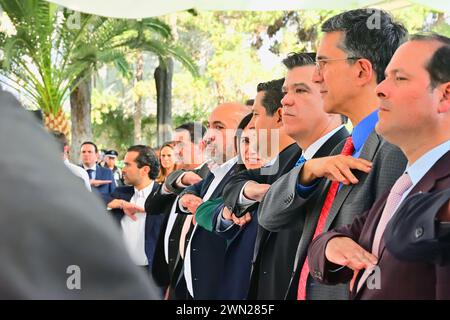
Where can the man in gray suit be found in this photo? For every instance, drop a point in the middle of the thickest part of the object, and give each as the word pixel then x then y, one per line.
pixel 56 240
pixel 349 64
pixel 315 133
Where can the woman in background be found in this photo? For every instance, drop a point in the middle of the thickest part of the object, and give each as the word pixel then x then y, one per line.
pixel 166 161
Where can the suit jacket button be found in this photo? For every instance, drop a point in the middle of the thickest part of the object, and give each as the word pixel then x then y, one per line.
pixel 193 249
pixel 195 279
pixel 419 232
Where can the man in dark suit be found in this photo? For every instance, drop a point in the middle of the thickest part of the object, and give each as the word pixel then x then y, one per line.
pixel 56 241
pixel 189 151
pixel 303 120
pixel 267 119
pixel 187 139
pixel 418 231
pixel 415 115
pixel 348 69
pixel 102 179
pixel 203 250
pixel 140 231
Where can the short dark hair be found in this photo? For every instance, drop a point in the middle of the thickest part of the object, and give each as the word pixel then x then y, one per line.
pixel 91 143
pixel 60 139
pixel 299 59
pixel 376 43
pixel 196 130
pixel 438 66
pixel 272 95
pixel 146 157
pixel 242 125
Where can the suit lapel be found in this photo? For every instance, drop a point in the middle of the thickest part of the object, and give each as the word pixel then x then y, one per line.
pixel 223 182
pixel 208 180
pixel 368 152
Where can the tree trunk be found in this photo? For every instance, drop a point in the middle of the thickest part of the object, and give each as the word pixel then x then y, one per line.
pixel 80 111
pixel 163 80
pixel 138 104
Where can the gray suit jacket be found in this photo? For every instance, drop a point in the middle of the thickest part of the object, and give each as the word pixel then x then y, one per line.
pixel 388 164
pixel 53 232
pixel 171 179
pixel 274 252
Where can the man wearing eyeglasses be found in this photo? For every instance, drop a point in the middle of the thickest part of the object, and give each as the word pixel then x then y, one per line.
pixel 350 62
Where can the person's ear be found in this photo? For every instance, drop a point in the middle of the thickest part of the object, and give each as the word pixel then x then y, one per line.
pixel 146 170
pixel 279 115
pixel 444 97
pixel 365 71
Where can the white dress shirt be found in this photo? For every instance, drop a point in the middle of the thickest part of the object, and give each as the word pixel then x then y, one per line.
pixel 219 173
pixel 421 166
pixel 134 231
pixel 93 168
pixel 79 172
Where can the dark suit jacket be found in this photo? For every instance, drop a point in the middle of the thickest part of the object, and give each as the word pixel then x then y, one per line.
pixel 388 163
pixel 171 179
pixel 238 257
pixel 399 279
pixel 167 274
pixel 162 271
pixel 275 251
pixel 52 228
pixel 153 221
pixel 207 249
pixel 420 229
pixel 284 162
pixel 104 190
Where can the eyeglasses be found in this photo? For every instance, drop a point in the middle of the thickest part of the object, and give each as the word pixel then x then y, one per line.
pixel 321 63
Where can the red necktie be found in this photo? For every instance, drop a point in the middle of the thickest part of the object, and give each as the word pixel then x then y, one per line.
pixel 346 151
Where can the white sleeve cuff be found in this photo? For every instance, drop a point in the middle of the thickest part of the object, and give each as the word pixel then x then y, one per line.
pixel 178 182
pixel 243 200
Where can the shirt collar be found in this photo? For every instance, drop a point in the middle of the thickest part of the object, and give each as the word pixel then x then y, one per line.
pixel 144 192
pixel 421 166
pixel 94 167
pixel 313 148
pixel 224 168
pixel 363 129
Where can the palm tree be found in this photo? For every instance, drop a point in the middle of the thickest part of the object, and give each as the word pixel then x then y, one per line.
pixel 50 57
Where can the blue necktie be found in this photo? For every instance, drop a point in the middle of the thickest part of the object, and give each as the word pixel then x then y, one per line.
pixel 300 161
pixel 90 171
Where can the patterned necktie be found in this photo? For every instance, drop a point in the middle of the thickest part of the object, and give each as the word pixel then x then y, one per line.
pixel 395 195
pixel 90 171
pixel 300 161
pixel 186 226
pixel 346 151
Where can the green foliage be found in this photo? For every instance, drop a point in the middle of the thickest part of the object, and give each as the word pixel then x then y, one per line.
pixel 227 46
pixel 55 49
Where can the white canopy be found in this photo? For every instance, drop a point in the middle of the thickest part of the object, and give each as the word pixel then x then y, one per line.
pixel 136 9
